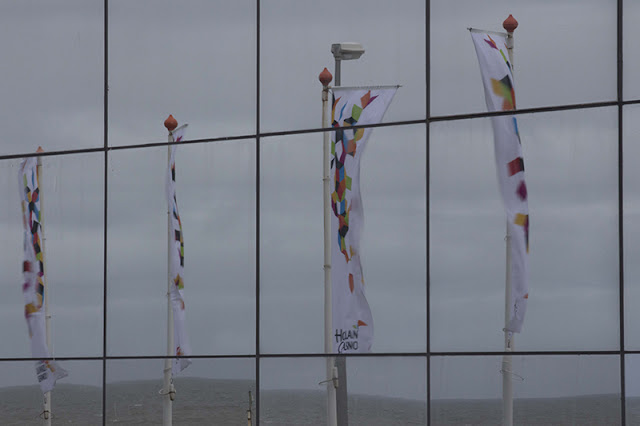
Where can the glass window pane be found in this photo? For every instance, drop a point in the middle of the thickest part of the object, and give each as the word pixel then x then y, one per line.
pixel 296 46
pixel 72 189
pixel 553 55
pixel 193 59
pixel 632 389
pixel 75 399
pixel 631 62
pixel 52 74
pixel 385 391
pixel 631 122
pixel 546 390
pixel 381 391
pixel 209 391
pixel 215 189
pixel 571 172
pixel 393 242
pixel 291 392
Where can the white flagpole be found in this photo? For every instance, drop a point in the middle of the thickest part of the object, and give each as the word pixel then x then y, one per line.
pixel 509 24
pixel 507 383
pixel 47 317
pixel 325 78
pixel 167 394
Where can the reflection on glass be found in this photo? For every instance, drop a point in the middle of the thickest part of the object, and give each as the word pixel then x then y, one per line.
pixel 393 179
pixel 581 390
pixel 193 59
pixel 291 392
pixel 553 66
pixel 632 389
pixel 72 213
pixel 209 391
pixel 215 188
pixel 631 61
pixel 76 399
pixel 571 171
pixel 381 391
pixel 52 80
pixel 385 391
pixel 296 46
pixel 631 152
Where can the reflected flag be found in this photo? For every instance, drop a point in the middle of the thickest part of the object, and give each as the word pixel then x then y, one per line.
pixel 176 264
pixel 497 77
pixel 34 286
pixel 351 315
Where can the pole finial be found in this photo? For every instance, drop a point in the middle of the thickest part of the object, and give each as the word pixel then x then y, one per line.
pixel 170 123
pixel 510 24
pixel 325 77
pixel 39 149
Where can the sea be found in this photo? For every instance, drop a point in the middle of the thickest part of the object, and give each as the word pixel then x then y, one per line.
pixel 226 402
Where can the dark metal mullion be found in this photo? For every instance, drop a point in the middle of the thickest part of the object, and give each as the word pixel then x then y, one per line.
pixel 621 212
pixel 257 262
pixel 432 119
pixel 323 355
pixel 105 211
pixel 428 199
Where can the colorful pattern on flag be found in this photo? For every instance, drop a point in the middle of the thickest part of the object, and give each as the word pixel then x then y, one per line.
pixel 34 286
pixel 351 315
pixel 176 265
pixel 497 76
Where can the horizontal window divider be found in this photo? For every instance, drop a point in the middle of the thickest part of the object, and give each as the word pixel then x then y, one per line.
pixel 221 356
pixel 205 140
pixel 323 355
pixel 182 142
pixel 124 357
pixel 52 153
pixel 432 119
pixel 352 355
pixel 525 353
pixel 331 129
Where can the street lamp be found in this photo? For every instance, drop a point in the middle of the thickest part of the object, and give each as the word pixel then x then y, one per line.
pixel 344 52
pixel 341 52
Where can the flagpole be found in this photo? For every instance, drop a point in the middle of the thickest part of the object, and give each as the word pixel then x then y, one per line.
pixel 325 78
pixel 167 394
pixel 46 414
pixel 509 24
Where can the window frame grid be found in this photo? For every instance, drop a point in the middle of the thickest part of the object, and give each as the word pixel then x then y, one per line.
pixel 619 102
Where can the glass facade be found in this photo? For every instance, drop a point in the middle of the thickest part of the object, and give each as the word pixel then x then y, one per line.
pixel 91 82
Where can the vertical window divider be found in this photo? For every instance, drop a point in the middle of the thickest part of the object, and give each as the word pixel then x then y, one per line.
pixel 257 218
pixel 621 209
pixel 427 200
pixel 105 206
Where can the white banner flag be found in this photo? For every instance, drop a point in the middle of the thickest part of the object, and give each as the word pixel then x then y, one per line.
pixel 497 76
pixel 34 286
pixel 351 315
pixel 176 265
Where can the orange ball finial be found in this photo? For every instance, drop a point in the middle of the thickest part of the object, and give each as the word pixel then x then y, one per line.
pixel 170 123
pixel 325 77
pixel 510 24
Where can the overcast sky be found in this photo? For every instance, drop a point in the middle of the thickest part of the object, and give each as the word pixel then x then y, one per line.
pixel 197 60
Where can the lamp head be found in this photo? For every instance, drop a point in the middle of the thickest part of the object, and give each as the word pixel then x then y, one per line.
pixel 347 50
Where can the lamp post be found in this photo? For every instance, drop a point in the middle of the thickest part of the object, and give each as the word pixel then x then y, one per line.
pixel 168 392
pixel 325 78
pixel 47 316
pixel 509 24
pixel 345 51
